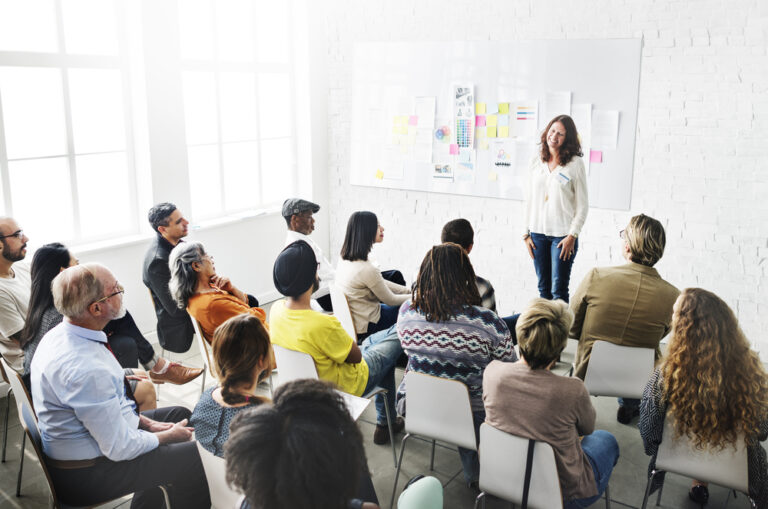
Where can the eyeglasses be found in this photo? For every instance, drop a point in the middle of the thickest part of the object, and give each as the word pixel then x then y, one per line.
pixel 18 234
pixel 622 235
pixel 120 289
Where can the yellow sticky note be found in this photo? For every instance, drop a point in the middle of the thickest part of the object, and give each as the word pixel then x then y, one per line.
pixel 491 131
pixel 491 120
pixel 480 132
pixel 379 174
pixel 492 176
pixel 504 108
pixel 402 120
pixel 484 144
pixel 479 108
pixel 504 131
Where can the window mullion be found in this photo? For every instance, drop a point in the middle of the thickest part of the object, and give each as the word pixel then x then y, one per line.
pixel 4 170
pixel 256 82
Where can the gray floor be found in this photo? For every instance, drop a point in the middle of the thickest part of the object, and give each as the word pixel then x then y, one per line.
pixel 627 483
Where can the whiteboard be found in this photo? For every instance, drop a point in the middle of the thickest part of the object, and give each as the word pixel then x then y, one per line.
pixel 388 77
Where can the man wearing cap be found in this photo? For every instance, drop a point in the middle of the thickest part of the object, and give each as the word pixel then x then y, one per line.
pixel 298 217
pixel 338 359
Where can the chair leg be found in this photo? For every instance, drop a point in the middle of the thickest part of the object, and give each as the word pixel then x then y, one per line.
pixel 648 490
pixel 202 384
pixel 658 497
pixel 397 470
pixel 21 464
pixel 480 497
pixel 432 457
pixel 607 497
pixel 389 425
pixel 5 429
pixel 166 498
pixel 157 386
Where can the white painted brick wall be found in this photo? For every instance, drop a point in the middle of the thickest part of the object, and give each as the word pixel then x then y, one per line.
pixel 701 152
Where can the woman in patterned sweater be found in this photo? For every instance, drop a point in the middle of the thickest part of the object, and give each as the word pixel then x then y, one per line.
pixel 446 333
pixel 713 386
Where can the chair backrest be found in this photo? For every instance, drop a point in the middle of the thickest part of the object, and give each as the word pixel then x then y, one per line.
pixel 426 493
pixel 20 393
pixel 29 423
pixel 341 310
pixel 725 468
pixel 293 365
pixel 222 496
pixel 439 408
pixel 202 344
pixel 620 371
pixel 502 469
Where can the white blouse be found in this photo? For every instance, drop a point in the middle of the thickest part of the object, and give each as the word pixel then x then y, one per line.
pixel 556 202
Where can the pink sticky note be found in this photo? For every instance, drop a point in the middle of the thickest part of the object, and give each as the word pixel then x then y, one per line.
pixel 595 156
pixel 480 120
pixel 413 120
pixel 454 149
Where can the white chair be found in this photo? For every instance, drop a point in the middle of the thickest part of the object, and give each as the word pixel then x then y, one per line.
pixel 222 496
pixel 341 310
pixel 7 396
pixel 620 371
pixel 294 365
pixel 438 409
pixel 22 397
pixel 205 355
pixel 726 468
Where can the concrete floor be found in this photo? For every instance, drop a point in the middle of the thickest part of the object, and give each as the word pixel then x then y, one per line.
pixel 627 482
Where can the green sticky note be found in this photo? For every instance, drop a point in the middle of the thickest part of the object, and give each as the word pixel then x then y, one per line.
pixel 504 108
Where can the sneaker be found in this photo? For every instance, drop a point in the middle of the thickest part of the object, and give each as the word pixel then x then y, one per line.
pixel 625 414
pixel 699 494
pixel 175 374
pixel 381 433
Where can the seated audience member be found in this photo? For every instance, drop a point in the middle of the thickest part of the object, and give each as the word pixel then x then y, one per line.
pixel 241 356
pixel 446 333
pixel 373 300
pixel 14 291
pixel 628 305
pixel 123 336
pixel 302 452
pixel 712 386
pixel 210 299
pixel 527 400
pixel 97 447
pixel 298 215
pixel 338 359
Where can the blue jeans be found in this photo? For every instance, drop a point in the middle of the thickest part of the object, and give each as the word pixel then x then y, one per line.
pixel 603 452
pixel 387 319
pixel 380 352
pixel 630 403
pixel 470 462
pixel 553 273
pixel 511 322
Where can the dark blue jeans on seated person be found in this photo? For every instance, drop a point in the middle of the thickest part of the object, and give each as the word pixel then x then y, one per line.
pixel 629 403
pixel 511 322
pixel 380 352
pixel 387 319
pixel 470 462
pixel 603 452
pixel 553 273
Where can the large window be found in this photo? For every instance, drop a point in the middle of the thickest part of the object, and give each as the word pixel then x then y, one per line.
pixel 238 88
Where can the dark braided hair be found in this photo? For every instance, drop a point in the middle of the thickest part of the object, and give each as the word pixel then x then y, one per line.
pixel 446 283
pixel 571 146
pixel 239 344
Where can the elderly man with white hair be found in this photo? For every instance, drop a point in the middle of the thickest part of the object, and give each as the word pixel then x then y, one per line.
pixel 97 446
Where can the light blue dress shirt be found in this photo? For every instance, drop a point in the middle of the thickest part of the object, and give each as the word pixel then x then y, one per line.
pixel 79 396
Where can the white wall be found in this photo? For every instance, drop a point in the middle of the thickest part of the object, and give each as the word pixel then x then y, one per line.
pixel 701 153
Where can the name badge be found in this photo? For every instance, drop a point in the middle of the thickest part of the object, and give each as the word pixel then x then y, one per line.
pixel 562 178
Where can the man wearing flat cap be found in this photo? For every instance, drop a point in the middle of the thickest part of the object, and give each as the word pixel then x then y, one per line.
pixel 298 216
pixel 296 326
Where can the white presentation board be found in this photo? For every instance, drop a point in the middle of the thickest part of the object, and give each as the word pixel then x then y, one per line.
pixel 466 117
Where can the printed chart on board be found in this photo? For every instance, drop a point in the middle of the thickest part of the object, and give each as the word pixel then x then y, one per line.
pixel 466 117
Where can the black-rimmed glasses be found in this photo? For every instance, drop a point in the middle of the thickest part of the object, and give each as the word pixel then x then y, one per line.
pixel 18 234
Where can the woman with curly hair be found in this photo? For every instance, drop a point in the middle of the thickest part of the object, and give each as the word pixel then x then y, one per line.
pixel 713 386
pixel 556 206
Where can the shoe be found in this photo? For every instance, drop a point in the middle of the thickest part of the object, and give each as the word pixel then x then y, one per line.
pixel 625 414
pixel 699 494
pixel 381 433
pixel 175 374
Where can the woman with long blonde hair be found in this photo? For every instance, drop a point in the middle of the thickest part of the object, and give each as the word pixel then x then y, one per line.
pixel 714 387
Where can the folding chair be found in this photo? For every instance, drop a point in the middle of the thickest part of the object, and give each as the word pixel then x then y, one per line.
pixel 726 468
pixel 222 496
pixel 341 310
pixel 205 355
pixel 620 371
pixel 4 378
pixel 22 397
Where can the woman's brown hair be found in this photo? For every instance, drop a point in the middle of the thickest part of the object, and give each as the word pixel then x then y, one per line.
pixel 713 383
pixel 239 345
pixel 446 283
pixel 571 146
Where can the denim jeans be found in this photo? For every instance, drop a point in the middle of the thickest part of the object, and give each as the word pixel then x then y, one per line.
pixel 553 273
pixel 603 452
pixel 630 403
pixel 387 319
pixel 511 322
pixel 470 462
pixel 380 352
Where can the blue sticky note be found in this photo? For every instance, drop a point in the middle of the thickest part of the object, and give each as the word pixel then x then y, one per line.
pixel 503 120
pixel 491 108
pixel 465 155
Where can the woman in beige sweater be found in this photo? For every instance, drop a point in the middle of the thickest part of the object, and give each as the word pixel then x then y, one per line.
pixel 373 300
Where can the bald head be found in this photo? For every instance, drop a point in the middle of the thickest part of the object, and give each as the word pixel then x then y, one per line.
pixel 76 288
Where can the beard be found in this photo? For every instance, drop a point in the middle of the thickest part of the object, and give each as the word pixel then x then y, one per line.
pixel 14 256
pixel 120 313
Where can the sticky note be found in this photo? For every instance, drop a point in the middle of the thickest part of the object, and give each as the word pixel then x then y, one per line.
pixel 504 108
pixel 465 156
pixel 480 133
pixel 503 131
pixel 479 108
pixel 454 150
pixel 595 156
pixel 492 176
pixel 491 120
pixel 413 120
pixel 480 121
pixel 503 119
pixel 379 174
pixel 491 107
pixel 491 131
pixel 484 144
pixel 403 129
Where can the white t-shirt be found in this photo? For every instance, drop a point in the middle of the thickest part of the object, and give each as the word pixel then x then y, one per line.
pixel 14 302
pixel 556 202
pixel 325 270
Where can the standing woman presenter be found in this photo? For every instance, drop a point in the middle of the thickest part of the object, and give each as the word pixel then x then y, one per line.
pixel 556 207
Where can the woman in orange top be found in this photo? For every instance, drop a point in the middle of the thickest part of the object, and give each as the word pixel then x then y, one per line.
pixel 209 298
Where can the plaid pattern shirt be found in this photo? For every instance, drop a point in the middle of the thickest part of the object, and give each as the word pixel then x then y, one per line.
pixel 487 293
